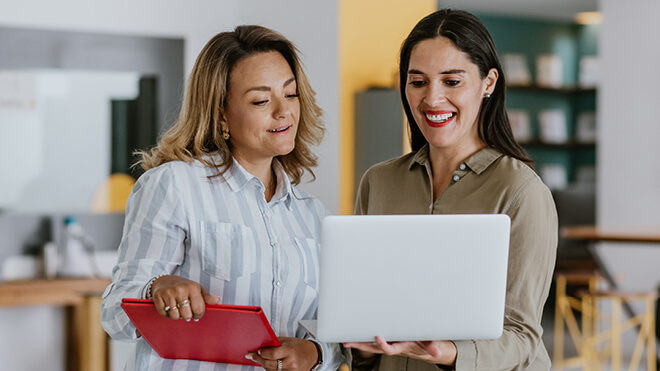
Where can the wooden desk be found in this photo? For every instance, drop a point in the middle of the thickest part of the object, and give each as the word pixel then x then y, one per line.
pixel 635 234
pixel 86 347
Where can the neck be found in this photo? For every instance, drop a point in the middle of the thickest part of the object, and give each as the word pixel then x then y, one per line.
pixel 444 161
pixel 264 171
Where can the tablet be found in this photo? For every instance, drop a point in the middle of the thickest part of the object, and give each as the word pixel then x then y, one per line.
pixel 225 334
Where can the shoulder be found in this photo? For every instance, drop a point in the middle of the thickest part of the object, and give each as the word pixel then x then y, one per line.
pixel 522 182
pixel 175 173
pixel 170 169
pixel 392 167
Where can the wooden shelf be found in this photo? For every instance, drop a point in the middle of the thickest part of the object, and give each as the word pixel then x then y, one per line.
pixel 560 146
pixel 543 89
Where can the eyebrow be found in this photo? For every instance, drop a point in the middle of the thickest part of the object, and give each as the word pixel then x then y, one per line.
pixel 449 72
pixel 267 88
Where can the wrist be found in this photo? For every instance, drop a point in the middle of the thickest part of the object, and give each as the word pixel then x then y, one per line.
pixel 148 290
pixel 319 356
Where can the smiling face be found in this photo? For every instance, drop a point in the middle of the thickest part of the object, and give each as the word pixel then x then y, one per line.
pixel 444 90
pixel 263 109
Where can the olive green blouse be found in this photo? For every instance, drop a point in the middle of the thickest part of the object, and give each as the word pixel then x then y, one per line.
pixel 486 182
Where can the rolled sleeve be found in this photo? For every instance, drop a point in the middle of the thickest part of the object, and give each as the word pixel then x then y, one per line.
pixel 152 244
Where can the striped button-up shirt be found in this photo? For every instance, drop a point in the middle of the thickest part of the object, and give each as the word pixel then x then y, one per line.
pixel 219 231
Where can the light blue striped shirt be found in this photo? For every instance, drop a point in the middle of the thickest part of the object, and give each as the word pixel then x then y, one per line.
pixel 220 232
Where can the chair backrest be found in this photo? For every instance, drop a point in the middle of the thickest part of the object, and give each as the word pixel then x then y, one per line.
pixel 112 195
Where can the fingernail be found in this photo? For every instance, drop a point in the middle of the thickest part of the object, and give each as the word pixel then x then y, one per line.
pixel 187 319
pixel 196 319
pixel 249 357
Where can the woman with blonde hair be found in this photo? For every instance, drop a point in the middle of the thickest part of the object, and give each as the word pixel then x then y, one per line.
pixel 217 214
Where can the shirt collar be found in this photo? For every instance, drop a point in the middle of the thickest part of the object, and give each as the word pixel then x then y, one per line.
pixel 478 162
pixel 237 178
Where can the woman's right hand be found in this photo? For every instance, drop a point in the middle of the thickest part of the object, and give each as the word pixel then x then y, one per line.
pixel 177 297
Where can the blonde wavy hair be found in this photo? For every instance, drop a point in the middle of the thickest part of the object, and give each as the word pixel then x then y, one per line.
pixel 197 132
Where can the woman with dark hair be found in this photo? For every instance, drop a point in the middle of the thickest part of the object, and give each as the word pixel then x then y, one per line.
pixel 218 214
pixel 465 161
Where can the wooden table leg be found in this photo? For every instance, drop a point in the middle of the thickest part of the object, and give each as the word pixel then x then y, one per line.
pixel 93 354
pixel 73 329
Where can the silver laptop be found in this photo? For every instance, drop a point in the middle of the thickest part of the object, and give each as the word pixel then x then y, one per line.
pixel 412 277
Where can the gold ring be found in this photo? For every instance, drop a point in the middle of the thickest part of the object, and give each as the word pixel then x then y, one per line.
pixel 183 304
pixel 279 365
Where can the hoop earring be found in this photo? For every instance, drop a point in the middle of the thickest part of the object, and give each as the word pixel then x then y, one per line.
pixel 225 135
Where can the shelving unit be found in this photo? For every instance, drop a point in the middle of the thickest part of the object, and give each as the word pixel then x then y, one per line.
pixel 570 42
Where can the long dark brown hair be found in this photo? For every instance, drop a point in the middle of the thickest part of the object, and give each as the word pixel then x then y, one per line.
pixel 471 37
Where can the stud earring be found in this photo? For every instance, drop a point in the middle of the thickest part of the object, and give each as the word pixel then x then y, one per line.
pixel 487 95
pixel 225 135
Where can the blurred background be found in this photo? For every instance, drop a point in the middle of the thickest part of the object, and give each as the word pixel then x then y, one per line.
pixel 83 84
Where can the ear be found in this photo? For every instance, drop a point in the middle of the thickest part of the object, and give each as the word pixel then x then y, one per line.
pixel 490 81
pixel 223 125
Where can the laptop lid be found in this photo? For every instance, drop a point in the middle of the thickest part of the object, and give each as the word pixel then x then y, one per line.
pixel 412 277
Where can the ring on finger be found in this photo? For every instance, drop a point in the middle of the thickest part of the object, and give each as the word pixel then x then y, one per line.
pixel 183 304
pixel 167 308
pixel 279 365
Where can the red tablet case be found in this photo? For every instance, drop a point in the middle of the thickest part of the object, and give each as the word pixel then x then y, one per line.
pixel 225 334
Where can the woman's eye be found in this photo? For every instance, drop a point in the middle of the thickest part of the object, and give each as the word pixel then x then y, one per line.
pixel 260 103
pixel 292 96
pixel 418 83
pixel 452 82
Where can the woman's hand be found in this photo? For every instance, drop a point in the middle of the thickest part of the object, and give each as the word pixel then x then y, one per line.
pixel 295 354
pixel 436 352
pixel 176 297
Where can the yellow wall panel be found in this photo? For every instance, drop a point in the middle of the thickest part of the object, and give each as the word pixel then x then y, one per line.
pixel 370 35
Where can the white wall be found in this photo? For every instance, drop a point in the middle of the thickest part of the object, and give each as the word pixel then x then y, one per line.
pixel 629 114
pixel 311 25
pixel 69 115
pixel 629 133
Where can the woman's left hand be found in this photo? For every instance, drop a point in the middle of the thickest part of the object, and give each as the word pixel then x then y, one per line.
pixel 295 355
pixel 436 352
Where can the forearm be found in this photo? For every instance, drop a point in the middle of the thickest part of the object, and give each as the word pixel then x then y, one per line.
pixel 512 351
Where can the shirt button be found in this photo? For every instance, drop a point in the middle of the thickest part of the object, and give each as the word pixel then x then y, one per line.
pixel 279 283
pixel 456 178
pixel 462 166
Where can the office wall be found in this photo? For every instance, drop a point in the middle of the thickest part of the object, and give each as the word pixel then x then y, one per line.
pixel 312 27
pixel 628 154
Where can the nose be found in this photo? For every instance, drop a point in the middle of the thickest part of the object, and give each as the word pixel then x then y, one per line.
pixel 283 108
pixel 435 94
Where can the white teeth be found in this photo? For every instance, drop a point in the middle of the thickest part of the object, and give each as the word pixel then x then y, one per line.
pixel 440 118
pixel 278 130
